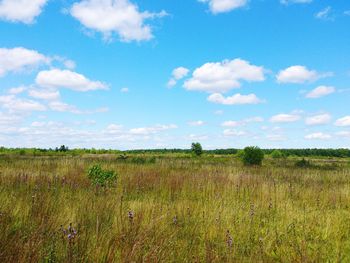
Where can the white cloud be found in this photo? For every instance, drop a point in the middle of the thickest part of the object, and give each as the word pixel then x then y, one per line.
pixel 242 122
pixel 286 2
pixel 124 90
pixel 222 6
pixel 318 119
pixel 284 118
pixel 19 59
pixel 16 104
pixel 345 134
pixel 324 13
pixel 224 76
pixel 115 16
pixel 234 133
pixel 236 99
pixel 276 137
pixel 152 130
pixel 196 123
pixel 320 91
pixel 347 13
pixel 64 107
pixel 177 74
pixel 318 136
pixel 21 10
pixel 56 78
pixel 298 75
pixel 17 90
pixel 343 122
pixel 44 94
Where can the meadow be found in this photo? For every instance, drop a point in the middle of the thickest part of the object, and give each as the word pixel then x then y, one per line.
pixel 173 208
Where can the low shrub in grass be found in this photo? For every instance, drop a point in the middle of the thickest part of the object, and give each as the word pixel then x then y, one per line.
pixel 303 163
pixel 252 156
pixel 100 177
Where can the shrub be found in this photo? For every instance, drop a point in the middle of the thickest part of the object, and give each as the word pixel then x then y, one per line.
pixel 303 163
pixel 277 154
pixel 252 156
pixel 197 149
pixel 101 177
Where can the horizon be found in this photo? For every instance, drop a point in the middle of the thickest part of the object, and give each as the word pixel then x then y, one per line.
pixel 130 75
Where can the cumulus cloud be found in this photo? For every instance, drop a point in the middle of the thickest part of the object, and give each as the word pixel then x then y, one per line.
pixel 320 91
pixel 19 59
pixel 152 130
pixel 115 16
pixel 318 136
pixel 318 119
pixel 343 122
pixel 196 123
pixel 24 11
pixel 177 74
pixel 285 118
pixel 44 94
pixel 236 99
pixel 241 122
pixel 12 103
pixel 345 134
pixel 233 133
pixel 17 90
pixel 64 107
pixel 299 74
pixel 56 78
pixel 222 6
pixel 223 76
pixel 124 90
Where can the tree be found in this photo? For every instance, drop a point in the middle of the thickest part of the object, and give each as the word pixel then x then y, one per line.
pixel 101 177
pixel 252 156
pixel 277 154
pixel 196 148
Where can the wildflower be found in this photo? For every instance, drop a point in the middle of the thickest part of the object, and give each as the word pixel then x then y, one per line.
pixel 131 215
pixel 175 220
pixel 229 239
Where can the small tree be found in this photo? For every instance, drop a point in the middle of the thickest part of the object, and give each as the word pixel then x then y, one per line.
pixel 252 156
pixel 196 148
pixel 277 154
pixel 100 177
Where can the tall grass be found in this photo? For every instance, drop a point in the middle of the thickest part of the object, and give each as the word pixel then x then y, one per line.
pixel 172 210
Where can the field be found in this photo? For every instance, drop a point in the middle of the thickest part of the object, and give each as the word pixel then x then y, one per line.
pixel 173 208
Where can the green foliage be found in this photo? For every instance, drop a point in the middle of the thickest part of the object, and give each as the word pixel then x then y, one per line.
pixel 196 148
pixel 101 177
pixel 252 156
pixel 303 163
pixel 277 154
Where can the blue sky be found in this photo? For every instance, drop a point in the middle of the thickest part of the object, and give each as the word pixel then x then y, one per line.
pixel 128 74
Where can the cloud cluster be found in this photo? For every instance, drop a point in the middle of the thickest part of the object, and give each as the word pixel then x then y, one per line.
pixel 298 75
pixel 224 76
pixel 320 91
pixel 236 99
pixel 20 59
pixel 115 16
pixel 24 11
pixel 177 74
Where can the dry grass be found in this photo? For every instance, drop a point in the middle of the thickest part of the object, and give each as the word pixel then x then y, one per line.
pixel 183 210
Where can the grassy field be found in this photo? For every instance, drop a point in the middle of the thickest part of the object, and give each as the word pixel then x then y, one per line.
pixel 173 208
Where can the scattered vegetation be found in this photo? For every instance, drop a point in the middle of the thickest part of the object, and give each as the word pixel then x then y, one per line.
pixel 176 209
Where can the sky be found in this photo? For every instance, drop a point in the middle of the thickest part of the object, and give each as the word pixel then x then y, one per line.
pixel 132 74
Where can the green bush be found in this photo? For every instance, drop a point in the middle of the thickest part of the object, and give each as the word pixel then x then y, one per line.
pixel 303 163
pixel 252 156
pixel 101 177
pixel 196 148
pixel 277 154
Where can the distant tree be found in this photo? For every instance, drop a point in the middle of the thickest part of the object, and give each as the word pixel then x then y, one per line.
pixel 277 154
pixel 252 156
pixel 196 148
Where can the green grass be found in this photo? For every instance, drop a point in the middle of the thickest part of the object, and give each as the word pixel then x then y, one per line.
pixel 208 209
